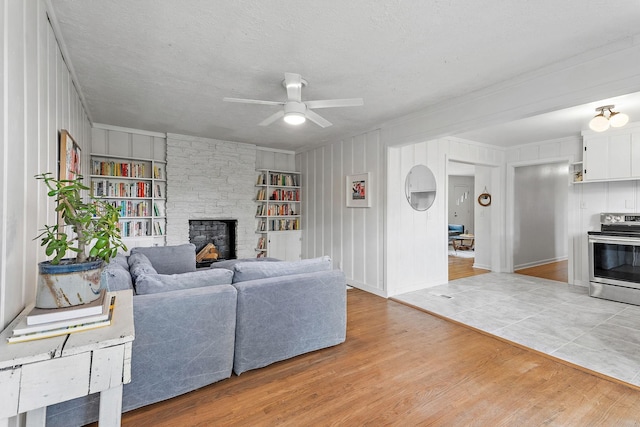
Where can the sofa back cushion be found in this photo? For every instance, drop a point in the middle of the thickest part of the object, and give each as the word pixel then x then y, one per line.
pixel 229 263
pixel 244 271
pixel 115 274
pixel 156 283
pixel 170 259
pixel 140 264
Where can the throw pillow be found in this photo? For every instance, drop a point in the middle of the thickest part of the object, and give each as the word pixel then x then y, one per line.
pixel 170 259
pixel 156 283
pixel 244 271
pixel 116 277
pixel 139 264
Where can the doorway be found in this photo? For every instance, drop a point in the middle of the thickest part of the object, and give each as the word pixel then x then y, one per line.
pixel 461 179
pixel 540 220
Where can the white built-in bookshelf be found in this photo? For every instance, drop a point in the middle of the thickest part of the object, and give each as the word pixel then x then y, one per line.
pixel 278 214
pixel 137 187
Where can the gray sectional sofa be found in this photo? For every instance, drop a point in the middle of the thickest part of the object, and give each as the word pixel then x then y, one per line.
pixel 194 327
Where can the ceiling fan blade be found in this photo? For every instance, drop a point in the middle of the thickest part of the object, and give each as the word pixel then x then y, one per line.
pixel 293 83
pixel 317 119
pixel 252 101
pixel 272 118
pixel 329 103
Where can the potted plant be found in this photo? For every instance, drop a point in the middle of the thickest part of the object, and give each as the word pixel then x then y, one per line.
pixel 95 239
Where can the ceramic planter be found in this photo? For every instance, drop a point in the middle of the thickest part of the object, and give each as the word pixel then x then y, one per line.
pixel 66 284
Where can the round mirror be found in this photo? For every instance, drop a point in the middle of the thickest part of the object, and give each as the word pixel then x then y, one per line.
pixel 420 187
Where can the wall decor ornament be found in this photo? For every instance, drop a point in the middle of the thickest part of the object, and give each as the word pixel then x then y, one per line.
pixel 358 190
pixel 484 199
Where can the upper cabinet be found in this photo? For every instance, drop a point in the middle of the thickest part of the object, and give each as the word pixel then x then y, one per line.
pixel 611 155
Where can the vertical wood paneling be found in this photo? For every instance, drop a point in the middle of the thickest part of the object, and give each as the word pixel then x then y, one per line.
pixel 142 146
pixel 351 236
pixel 39 99
pixel 347 243
pixel 16 174
pixel 318 204
pixel 337 203
pixel 4 161
pixel 327 188
pixel 31 140
pixel 360 215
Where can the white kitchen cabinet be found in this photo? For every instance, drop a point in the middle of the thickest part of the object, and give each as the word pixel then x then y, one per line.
pixel 611 155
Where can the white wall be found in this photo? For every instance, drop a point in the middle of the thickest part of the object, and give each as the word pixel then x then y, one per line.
pixel 417 241
pixel 462 211
pixel 210 179
pixel 540 215
pixel 213 179
pixel 39 99
pixel 353 237
pixel 484 220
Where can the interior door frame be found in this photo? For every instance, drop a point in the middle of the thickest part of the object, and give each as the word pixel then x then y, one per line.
pixel 510 220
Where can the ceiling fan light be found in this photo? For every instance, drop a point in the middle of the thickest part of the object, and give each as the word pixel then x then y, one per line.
pixel 618 120
pixel 294 118
pixel 599 123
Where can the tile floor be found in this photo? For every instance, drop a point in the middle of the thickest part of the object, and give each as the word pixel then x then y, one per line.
pixel 548 316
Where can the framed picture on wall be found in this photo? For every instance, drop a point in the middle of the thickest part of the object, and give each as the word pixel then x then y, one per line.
pixel 69 156
pixel 358 190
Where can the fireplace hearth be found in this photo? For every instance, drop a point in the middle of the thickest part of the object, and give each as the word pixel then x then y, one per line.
pixel 219 232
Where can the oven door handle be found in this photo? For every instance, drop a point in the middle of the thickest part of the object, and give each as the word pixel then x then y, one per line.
pixel 615 240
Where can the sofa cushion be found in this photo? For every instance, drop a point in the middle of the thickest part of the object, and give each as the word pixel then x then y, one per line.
pixel 115 274
pixel 156 283
pixel 244 271
pixel 140 264
pixel 170 259
pixel 229 263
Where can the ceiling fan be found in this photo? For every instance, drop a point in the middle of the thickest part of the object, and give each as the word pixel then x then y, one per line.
pixel 295 111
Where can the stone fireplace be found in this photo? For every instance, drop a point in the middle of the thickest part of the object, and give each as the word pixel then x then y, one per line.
pixel 221 232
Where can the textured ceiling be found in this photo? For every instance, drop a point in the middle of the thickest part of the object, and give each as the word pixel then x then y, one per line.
pixel 165 65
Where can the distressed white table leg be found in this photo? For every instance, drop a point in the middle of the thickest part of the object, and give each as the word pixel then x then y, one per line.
pixel 37 417
pixel 110 407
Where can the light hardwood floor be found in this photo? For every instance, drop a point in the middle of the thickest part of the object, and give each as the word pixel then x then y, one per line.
pixel 463 267
pixel 400 366
pixel 553 271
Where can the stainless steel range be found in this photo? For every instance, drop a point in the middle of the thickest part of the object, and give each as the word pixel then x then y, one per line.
pixel 614 258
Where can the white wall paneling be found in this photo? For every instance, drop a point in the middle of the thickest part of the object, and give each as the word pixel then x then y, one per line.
pixel 353 237
pixel 39 99
pixel 417 241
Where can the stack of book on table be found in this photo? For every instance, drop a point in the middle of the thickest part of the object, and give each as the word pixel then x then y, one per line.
pixel 45 323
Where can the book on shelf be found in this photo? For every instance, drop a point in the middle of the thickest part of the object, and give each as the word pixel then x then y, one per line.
pixel 158 209
pixel 78 326
pixel 157 228
pixel 158 172
pixel 38 316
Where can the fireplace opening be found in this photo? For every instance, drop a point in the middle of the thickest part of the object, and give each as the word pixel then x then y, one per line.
pixel 221 233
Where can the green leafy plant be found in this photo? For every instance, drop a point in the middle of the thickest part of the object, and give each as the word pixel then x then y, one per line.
pixel 94 223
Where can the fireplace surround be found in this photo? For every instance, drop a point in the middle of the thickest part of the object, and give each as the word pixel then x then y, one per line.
pixel 221 232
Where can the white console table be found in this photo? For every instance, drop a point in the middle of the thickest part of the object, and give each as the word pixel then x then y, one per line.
pixel 39 373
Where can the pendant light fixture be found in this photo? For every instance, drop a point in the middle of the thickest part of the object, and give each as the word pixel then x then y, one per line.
pixel 606 117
